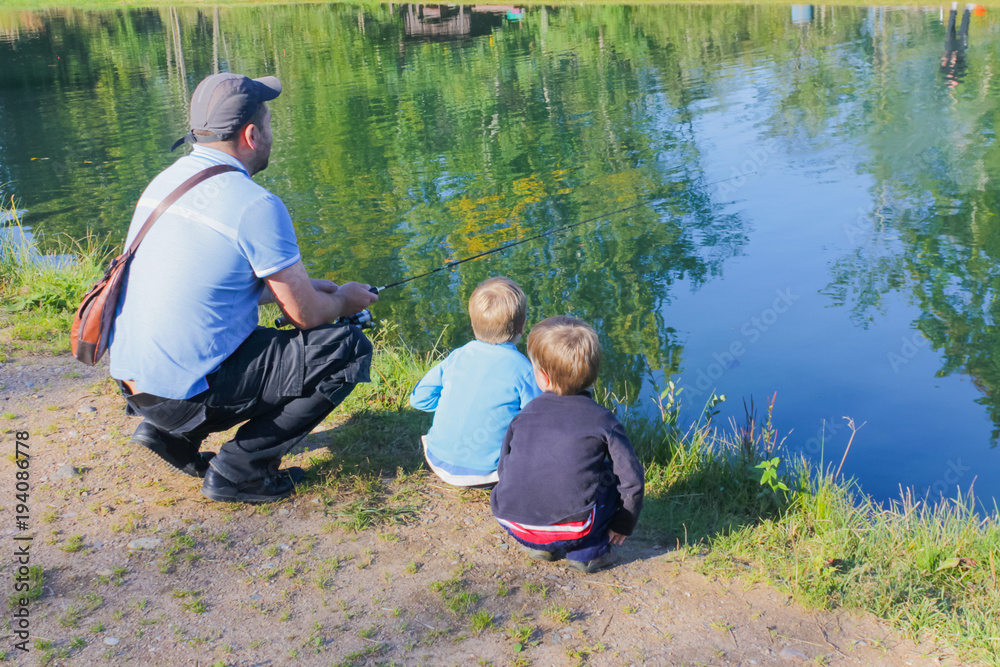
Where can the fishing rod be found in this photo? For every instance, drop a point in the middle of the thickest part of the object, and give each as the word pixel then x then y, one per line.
pixel 365 320
pixel 456 262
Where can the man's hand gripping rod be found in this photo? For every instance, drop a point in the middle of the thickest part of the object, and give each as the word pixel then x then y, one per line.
pixel 361 319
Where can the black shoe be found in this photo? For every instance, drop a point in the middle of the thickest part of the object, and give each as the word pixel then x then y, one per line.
pixel 294 474
pixel 264 490
pixel 199 466
pixel 607 558
pixel 179 455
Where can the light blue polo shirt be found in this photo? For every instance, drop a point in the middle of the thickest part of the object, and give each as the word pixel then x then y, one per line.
pixel 193 285
pixel 474 394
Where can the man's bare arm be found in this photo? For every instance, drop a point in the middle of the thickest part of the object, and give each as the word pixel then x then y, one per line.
pixel 309 303
pixel 319 284
pixel 267 296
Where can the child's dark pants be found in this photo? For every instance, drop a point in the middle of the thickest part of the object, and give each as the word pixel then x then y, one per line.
pixel 595 543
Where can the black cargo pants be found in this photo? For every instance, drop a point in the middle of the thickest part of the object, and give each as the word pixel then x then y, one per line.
pixel 282 383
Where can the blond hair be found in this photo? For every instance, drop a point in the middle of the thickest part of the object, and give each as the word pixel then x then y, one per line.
pixel 497 309
pixel 568 351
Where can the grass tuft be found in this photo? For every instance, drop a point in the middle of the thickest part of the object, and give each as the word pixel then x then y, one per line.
pixel 44 289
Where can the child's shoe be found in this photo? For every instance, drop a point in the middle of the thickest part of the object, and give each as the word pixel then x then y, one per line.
pixel 540 554
pixel 591 566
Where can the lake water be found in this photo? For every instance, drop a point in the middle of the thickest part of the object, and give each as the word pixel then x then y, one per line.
pixel 818 218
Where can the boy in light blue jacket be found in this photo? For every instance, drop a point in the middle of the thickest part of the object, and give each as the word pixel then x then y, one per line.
pixel 477 390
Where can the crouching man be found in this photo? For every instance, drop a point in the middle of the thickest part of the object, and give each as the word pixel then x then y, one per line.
pixel 186 349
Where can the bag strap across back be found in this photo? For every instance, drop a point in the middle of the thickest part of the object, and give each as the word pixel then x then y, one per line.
pixel 174 196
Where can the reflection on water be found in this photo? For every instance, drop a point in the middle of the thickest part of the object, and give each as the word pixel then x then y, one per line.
pixel 443 22
pixel 816 213
pixel 802 14
pixel 953 61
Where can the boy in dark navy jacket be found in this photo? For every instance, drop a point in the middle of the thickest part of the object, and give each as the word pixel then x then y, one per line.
pixel 559 494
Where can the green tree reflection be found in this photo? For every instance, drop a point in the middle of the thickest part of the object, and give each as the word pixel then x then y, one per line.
pixel 397 154
pixel 934 233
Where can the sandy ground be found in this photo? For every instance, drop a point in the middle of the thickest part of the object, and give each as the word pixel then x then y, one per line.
pixel 140 569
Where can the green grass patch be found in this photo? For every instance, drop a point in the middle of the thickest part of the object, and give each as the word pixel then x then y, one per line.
pixel 32 282
pixel 558 614
pixel 38 297
pixel 359 515
pixel 192 601
pixel 456 598
pixel 73 544
pixel 368 443
pixel 482 621
pixel 359 500
pixel 36 586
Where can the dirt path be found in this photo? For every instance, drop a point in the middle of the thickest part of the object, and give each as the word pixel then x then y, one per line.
pixel 140 569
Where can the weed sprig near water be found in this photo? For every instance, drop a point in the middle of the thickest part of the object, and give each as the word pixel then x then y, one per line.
pixel 44 290
pixel 700 481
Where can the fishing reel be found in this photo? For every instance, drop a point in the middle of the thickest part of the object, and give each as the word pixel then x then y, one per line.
pixel 363 319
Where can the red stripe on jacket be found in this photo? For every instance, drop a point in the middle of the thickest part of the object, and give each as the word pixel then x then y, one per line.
pixel 557 532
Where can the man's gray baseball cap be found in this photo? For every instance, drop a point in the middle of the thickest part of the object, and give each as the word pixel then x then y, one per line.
pixel 223 103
